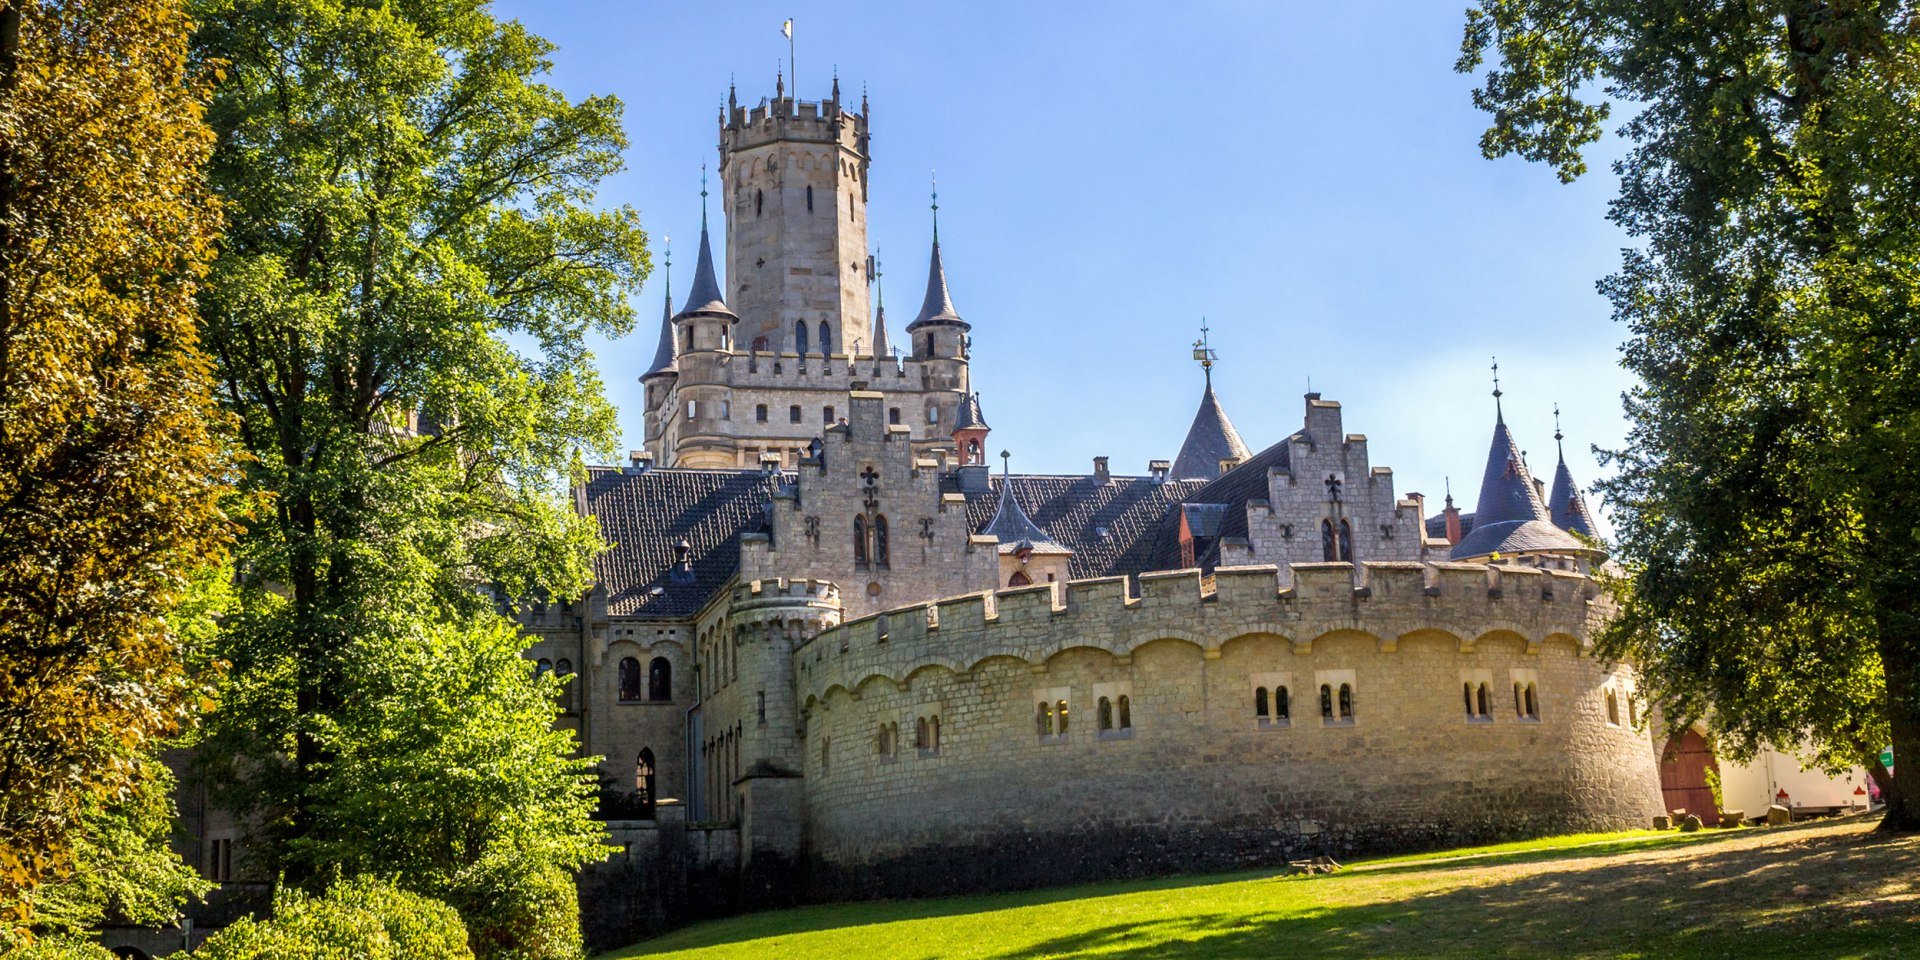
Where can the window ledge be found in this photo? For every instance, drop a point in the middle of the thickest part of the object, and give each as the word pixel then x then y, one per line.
pixel 1269 723
pixel 1479 719
pixel 924 753
pixel 1528 719
pixel 1124 733
pixel 1342 722
pixel 1054 738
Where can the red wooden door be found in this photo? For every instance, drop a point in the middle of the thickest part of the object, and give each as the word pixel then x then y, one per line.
pixel 1683 776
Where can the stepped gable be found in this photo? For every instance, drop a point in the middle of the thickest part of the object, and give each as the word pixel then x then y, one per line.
pixel 1210 440
pixel 646 514
pixel 1230 492
pixel 1074 510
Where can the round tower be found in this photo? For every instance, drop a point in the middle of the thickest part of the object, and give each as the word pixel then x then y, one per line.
pixel 703 397
pixel 794 175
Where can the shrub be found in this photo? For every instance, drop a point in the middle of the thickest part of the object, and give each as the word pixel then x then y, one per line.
pixel 361 918
pixel 53 948
pixel 517 913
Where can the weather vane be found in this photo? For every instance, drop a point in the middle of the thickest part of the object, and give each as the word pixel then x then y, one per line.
pixel 1204 353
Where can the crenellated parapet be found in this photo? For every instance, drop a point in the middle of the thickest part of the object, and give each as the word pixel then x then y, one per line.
pixel 1388 603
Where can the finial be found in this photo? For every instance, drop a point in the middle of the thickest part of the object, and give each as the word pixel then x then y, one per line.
pixel 1558 446
pixel 666 262
pixel 779 81
pixel 863 98
pixel 1006 463
pixel 1498 414
pixel 1203 353
pixel 879 289
pixel 1449 482
pixel 703 197
pixel 836 83
pixel 933 177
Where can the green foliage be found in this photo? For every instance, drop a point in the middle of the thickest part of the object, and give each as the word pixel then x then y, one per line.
pixel 1767 507
pixel 111 464
pixel 358 919
pixel 516 914
pixel 54 948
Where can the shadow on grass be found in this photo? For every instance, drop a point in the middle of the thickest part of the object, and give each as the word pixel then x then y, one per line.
pixel 1642 907
pixel 1820 894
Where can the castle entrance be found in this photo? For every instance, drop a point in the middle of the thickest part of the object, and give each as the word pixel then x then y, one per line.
pixel 1683 776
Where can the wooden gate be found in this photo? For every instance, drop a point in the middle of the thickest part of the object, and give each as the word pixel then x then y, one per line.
pixel 1683 776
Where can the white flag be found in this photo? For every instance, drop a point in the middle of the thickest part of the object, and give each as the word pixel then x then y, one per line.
pixel 786 29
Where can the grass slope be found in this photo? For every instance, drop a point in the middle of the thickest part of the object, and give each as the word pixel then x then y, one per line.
pixel 1829 890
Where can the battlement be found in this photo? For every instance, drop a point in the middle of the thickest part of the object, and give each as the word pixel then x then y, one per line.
pixel 781 591
pixel 1459 604
pixel 789 119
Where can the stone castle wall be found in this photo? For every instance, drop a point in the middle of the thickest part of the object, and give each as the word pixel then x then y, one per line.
pixel 1198 780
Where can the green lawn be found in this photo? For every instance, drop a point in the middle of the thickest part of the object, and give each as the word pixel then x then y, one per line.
pixel 1826 890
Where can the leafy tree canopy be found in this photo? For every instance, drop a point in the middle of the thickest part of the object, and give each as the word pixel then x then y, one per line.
pixel 1768 503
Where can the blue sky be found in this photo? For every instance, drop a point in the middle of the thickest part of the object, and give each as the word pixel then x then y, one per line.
pixel 1306 177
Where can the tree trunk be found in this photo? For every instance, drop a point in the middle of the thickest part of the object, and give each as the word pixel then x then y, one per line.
pixel 1900 658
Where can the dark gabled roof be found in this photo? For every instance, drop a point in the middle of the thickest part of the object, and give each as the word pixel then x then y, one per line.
pixel 969 417
pixel 938 305
pixel 1231 491
pixel 1566 506
pixel 645 514
pixel 1110 526
pixel 1510 517
pixel 666 356
pixel 1437 525
pixel 1210 440
pixel 705 296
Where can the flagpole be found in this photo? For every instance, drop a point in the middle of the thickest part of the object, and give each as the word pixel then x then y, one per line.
pixel 792 69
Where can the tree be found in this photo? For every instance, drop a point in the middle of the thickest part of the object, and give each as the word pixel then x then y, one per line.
pixel 397 316
pixel 1767 501
pixel 111 462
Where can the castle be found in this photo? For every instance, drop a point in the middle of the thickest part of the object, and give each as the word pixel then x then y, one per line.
pixel 834 651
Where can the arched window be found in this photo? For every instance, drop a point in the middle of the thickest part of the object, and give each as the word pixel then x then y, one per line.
pixel 760 412
pixel 629 679
pixel 922 734
pixel 1043 719
pixel 1019 579
pixel 542 667
pixel 1260 709
pixel 1633 711
pixel 1346 542
pixel 1105 713
pixel 826 753
pixel 933 414
pixel 1328 551
pixel 1060 716
pixel 1519 700
pixel 884 746
pixel 826 338
pixel 659 679
pixel 1282 705
pixel 881 556
pixel 1346 701
pixel 1533 702
pixel 1486 700
pixel 973 451
pixel 859 539
pixel 1466 691
pixel 800 337
pixel 936 734
pixel 759 202
pixel 1326 702
pixel 644 782
pixel 793 414
pixel 1126 712
pixel 564 670
pixel 809 199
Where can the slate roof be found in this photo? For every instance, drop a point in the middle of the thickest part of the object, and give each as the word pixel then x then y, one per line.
pixel 1210 439
pixel 666 356
pixel 882 350
pixel 938 305
pixel 705 295
pixel 1566 506
pixel 1111 527
pixel 1230 491
pixel 969 417
pixel 1014 528
pixel 1437 525
pixel 1510 517
pixel 645 514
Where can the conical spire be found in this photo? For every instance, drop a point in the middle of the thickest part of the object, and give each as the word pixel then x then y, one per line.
pixel 969 416
pixel 882 350
pixel 1210 440
pixel 1510 516
pixel 1010 523
pixel 666 356
pixel 938 305
pixel 705 295
pixel 1566 505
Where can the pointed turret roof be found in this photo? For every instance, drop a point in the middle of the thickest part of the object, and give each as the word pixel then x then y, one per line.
pixel 666 356
pixel 938 305
pixel 882 350
pixel 1566 506
pixel 705 296
pixel 969 417
pixel 1210 440
pixel 1510 518
pixel 1011 524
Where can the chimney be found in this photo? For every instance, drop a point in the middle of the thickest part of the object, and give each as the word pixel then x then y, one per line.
pixel 1100 472
pixel 1452 513
pixel 1159 469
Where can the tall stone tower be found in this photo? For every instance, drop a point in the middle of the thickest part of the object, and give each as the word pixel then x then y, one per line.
pixel 794 178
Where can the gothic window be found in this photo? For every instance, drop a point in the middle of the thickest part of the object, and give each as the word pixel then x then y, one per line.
pixel 1019 579
pixel 564 669
pixel 629 679
pixel 1125 703
pixel 1346 542
pixel 826 339
pixel 760 412
pixel 793 414
pixel 1327 548
pixel 1105 712
pixel 644 782
pixel 826 416
pixel 660 679
pixel 1346 701
pixel 860 539
pixel 933 414
pixel 1326 703
pixel 1260 708
pixel 542 667
pixel 880 552
pixel 893 414
pixel 800 337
